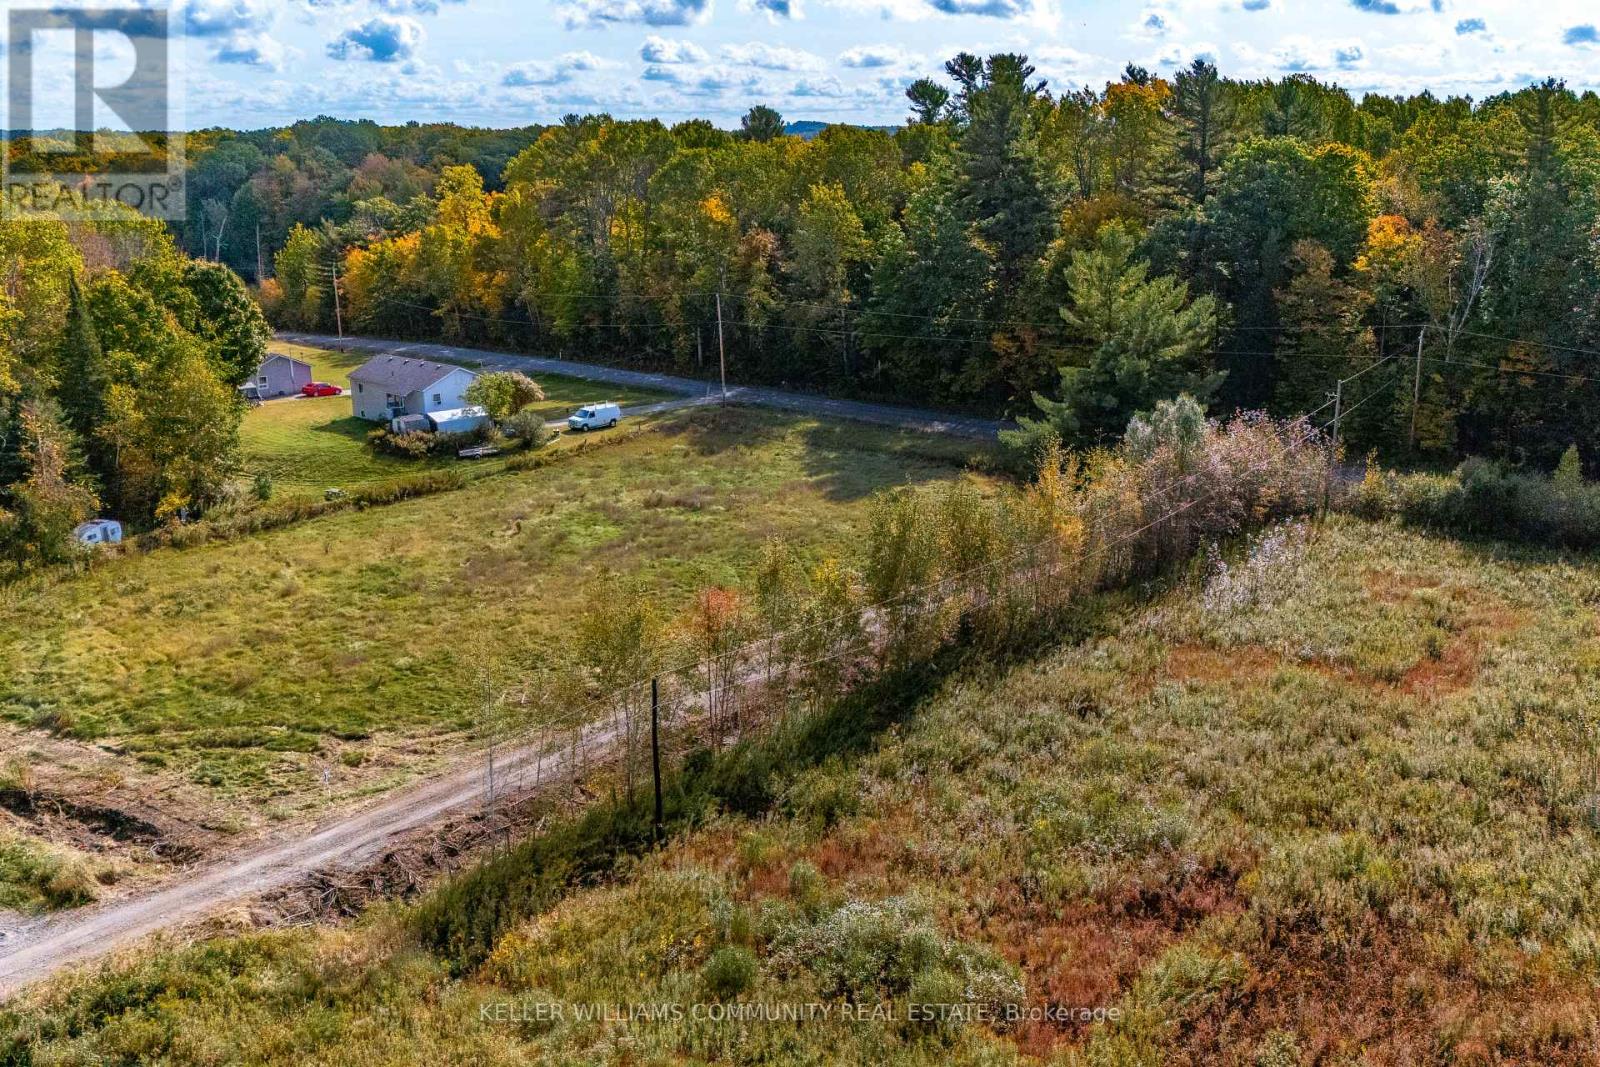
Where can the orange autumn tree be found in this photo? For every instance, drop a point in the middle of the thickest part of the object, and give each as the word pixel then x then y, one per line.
pixel 718 625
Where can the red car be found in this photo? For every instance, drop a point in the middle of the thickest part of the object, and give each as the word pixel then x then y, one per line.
pixel 320 389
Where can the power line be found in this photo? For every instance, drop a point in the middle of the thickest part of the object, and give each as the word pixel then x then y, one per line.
pixel 1525 341
pixel 997 323
pixel 1502 369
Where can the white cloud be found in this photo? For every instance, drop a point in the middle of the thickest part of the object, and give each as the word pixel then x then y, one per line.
pixel 770 57
pixel 381 39
pixel 776 10
pixel 222 18
pixel 662 50
pixel 580 14
pixel 261 50
pixel 559 71
pixel 871 56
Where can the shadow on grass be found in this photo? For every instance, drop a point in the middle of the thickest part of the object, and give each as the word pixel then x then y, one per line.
pixel 846 461
pixel 356 429
pixel 834 450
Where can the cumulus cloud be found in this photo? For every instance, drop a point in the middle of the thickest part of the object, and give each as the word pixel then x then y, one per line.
pixel 1156 22
pixel 1581 36
pixel 999 9
pixel 829 88
pixel 391 7
pixel 1298 53
pixel 870 56
pixel 1395 7
pixel 558 71
pixel 770 57
pixel 252 50
pixel 221 18
pixel 581 14
pixel 413 7
pixel 381 39
pixel 661 50
pixel 776 10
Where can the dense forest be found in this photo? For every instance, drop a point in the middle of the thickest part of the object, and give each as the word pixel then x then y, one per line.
pixel 1248 242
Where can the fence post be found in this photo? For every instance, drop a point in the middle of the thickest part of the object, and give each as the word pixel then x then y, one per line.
pixel 655 747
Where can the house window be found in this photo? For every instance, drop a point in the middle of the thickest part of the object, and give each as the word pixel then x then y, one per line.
pixel 360 388
pixel 437 399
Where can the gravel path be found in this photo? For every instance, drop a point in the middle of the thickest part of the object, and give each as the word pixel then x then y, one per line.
pixel 346 840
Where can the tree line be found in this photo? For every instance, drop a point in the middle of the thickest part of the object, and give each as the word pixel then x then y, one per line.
pixel 1070 257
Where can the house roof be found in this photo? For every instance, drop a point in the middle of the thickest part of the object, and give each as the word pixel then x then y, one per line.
pixel 291 359
pixel 400 374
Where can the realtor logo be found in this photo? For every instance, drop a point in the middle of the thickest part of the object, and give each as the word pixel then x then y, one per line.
pixel 92 112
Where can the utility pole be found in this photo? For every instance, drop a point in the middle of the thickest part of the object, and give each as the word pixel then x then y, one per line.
pixel 722 355
pixel 338 313
pixel 655 748
pixel 1333 458
pixel 1416 387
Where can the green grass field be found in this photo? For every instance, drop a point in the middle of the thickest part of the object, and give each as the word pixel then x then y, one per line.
pixel 248 665
pixel 306 446
pixel 1337 806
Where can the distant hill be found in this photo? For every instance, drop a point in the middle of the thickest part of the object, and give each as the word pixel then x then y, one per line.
pixel 806 129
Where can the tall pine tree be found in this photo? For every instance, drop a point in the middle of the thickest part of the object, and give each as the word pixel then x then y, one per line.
pixel 81 376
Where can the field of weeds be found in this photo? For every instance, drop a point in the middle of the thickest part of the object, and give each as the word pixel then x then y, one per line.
pixel 1329 798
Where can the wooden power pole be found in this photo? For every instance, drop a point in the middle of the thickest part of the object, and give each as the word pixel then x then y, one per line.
pixel 1416 387
pixel 338 312
pixel 722 355
pixel 655 748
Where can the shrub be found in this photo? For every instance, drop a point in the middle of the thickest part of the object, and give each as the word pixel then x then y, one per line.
pixel 529 429
pixel 1569 472
pixel 417 444
pixel 730 971
pixel 262 487
pixel 1487 499
pixel 869 948
pixel 413 444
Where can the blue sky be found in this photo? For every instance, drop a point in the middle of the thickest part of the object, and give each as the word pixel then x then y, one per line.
pixel 510 62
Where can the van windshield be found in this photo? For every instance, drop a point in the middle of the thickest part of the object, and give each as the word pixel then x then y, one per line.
pixel 584 413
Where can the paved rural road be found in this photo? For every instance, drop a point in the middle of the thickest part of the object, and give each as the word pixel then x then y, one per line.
pixel 857 410
pixel 346 839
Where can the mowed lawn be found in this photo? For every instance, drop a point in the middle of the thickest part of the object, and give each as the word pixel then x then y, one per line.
pixel 306 446
pixel 242 664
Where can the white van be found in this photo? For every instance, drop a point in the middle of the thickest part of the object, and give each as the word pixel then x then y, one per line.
pixel 99 532
pixel 594 415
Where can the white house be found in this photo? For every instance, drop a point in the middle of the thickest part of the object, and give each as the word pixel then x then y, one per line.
pixel 387 387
